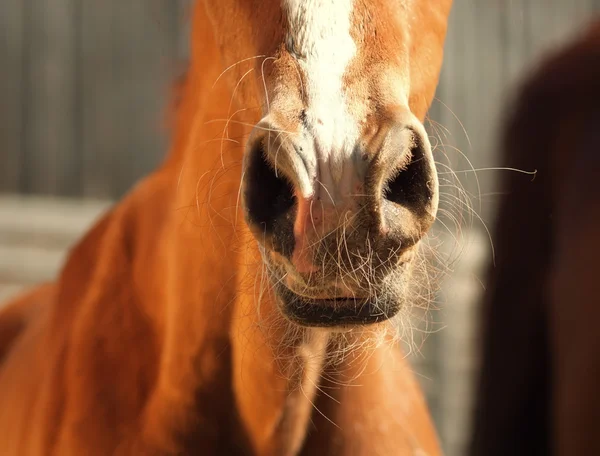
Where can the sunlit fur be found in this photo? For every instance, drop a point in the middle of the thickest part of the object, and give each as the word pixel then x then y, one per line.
pixel 538 388
pixel 162 334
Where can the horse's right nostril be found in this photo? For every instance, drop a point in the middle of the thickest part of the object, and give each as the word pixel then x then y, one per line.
pixel 409 186
pixel 413 185
pixel 268 194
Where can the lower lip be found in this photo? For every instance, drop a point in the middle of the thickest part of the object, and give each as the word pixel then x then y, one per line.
pixel 333 312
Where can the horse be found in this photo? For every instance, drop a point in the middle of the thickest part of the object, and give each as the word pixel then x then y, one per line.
pixel 538 386
pixel 243 298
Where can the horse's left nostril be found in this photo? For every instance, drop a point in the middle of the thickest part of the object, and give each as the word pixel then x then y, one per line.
pixel 268 194
pixel 411 185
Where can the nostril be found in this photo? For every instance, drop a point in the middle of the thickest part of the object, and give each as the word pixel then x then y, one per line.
pixel 268 194
pixel 411 185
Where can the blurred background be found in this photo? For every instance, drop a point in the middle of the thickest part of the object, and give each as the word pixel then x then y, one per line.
pixel 83 90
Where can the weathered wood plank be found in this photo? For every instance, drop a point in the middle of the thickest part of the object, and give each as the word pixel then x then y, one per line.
pixel 105 124
pixel 154 42
pixel 50 103
pixel 515 39
pixel 36 234
pixel 125 83
pixel 41 220
pixel 11 75
pixel 489 88
pixel 29 265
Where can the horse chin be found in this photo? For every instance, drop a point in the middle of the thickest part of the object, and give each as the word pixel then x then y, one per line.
pixel 314 304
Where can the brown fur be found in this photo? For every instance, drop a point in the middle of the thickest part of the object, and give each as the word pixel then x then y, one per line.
pixel 150 341
pixel 539 384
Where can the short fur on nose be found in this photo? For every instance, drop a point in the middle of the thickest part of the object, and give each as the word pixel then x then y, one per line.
pixel 387 188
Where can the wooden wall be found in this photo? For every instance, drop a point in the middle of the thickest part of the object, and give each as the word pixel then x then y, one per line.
pixel 83 84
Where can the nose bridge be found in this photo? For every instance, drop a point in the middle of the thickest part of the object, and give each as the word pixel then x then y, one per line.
pixel 334 135
pixel 323 161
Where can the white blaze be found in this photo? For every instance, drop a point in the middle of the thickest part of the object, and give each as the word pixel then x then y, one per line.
pixel 319 37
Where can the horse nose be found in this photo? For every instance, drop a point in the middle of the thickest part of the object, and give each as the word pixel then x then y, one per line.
pixel 382 190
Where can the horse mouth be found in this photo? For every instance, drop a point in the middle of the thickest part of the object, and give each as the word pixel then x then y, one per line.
pixel 334 312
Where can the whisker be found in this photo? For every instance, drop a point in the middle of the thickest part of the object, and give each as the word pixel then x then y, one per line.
pixel 233 65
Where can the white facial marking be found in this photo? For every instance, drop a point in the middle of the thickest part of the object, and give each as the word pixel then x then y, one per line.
pixel 319 37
